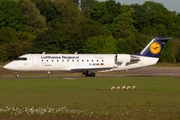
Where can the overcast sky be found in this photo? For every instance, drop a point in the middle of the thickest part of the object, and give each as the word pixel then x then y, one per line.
pixel 172 5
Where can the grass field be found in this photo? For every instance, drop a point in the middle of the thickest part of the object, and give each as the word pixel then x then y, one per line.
pixel 91 98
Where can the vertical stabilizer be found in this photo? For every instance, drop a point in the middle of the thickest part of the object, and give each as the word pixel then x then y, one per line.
pixel 154 48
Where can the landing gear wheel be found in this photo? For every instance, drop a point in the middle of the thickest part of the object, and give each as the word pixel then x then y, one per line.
pixel 92 74
pixel 16 74
pixel 87 75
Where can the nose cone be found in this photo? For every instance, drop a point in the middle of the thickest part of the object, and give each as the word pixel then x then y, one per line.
pixel 11 66
pixel 7 66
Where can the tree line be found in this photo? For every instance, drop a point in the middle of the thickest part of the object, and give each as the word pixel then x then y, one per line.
pixel 67 26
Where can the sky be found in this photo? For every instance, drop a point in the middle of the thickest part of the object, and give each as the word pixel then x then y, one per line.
pixel 171 5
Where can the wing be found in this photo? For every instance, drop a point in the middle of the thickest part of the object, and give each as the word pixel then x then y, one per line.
pixel 91 69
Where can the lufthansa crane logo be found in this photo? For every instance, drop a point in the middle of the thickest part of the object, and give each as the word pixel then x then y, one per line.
pixel 155 48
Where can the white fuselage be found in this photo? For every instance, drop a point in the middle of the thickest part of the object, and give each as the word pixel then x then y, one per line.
pixel 77 62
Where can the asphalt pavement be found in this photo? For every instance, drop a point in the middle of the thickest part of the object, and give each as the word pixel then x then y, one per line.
pixel 142 72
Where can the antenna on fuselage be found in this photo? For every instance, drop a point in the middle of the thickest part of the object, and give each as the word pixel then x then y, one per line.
pixel 43 53
pixel 75 53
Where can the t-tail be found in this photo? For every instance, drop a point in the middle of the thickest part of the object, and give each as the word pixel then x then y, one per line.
pixel 148 56
pixel 155 47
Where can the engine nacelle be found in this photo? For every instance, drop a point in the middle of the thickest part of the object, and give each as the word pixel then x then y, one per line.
pixel 120 58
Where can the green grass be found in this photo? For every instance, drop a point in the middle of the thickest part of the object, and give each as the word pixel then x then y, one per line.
pixel 154 97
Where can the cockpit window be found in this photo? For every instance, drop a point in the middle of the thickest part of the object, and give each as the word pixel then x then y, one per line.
pixel 21 59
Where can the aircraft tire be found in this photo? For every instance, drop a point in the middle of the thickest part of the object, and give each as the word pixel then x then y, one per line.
pixel 17 75
pixel 92 74
pixel 87 75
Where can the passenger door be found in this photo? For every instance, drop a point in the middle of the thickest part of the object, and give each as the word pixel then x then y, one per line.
pixel 35 61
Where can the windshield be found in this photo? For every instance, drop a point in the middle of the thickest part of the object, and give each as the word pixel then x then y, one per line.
pixel 21 59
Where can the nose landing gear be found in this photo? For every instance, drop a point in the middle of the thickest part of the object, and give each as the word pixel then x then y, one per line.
pixel 17 74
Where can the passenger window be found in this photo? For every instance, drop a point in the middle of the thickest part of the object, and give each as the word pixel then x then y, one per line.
pixel 102 60
pixel 72 60
pixel 57 60
pixel 92 60
pixel 68 60
pixel 87 60
pixel 77 60
pixel 62 60
pixel 82 60
pixel 42 60
pixel 97 60
pixel 47 60
pixel 52 60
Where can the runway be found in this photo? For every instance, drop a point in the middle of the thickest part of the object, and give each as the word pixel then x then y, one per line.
pixel 156 71
pixel 141 72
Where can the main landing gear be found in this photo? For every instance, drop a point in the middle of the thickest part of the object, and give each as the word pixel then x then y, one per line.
pixel 89 74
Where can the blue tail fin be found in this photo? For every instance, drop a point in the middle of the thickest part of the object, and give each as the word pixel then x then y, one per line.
pixel 154 48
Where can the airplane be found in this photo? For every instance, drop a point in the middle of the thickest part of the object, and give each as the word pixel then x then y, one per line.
pixel 89 64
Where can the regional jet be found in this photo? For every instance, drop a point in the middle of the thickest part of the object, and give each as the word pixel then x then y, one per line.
pixel 89 64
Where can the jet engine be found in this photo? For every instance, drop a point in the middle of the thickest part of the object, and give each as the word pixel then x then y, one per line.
pixel 120 58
